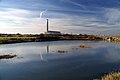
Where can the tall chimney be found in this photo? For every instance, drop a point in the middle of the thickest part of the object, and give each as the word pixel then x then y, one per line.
pixel 47 25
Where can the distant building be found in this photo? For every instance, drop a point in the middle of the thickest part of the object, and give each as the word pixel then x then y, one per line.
pixel 52 32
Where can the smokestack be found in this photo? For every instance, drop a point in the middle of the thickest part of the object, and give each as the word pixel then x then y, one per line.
pixel 47 25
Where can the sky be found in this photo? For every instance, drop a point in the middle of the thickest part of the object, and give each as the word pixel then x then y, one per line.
pixel 101 17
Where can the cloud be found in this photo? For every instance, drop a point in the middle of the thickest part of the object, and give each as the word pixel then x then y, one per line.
pixel 75 25
pixel 20 20
pixel 117 1
pixel 85 24
pixel 13 15
pixel 112 15
pixel 13 20
pixel 62 18
pixel 76 4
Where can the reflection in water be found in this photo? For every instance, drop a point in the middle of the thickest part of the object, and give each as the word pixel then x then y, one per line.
pixel 47 48
pixel 41 54
pixel 80 64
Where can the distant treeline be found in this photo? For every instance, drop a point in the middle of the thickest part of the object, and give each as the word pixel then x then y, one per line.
pixel 17 38
pixel 19 35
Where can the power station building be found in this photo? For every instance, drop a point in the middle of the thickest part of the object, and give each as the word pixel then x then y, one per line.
pixel 51 32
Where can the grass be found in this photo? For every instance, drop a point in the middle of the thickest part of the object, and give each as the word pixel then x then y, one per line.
pixel 18 38
pixel 5 40
pixel 111 76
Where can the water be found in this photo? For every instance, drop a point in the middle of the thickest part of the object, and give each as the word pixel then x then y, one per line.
pixel 41 61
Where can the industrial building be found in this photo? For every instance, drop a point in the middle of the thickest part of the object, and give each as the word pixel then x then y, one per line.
pixel 51 32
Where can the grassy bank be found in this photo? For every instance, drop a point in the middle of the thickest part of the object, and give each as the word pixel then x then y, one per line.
pixel 18 38
pixel 111 76
pixel 114 39
pixel 6 40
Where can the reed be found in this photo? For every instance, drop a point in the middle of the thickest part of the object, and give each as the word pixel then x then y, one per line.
pixel 111 76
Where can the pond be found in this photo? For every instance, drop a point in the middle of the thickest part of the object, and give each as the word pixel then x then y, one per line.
pixel 44 61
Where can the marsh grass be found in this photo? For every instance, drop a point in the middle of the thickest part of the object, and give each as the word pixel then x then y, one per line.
pixel 111 76
pixel 4 40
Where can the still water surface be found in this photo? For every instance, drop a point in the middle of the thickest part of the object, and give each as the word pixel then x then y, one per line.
pixel 41 61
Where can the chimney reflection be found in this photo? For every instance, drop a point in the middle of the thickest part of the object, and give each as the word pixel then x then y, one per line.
pixel 41 55
pixel 47 49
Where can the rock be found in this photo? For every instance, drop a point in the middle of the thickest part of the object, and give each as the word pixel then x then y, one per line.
pixel 62 51
pixel 7 56
pixel 83 46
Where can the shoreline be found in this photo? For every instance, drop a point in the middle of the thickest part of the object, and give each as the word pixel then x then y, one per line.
pixel 45 37
pixel 19 38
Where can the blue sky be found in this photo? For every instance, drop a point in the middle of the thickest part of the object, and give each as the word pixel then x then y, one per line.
pixel 67 16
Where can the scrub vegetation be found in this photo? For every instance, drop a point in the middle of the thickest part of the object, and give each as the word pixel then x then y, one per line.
pixel 18 38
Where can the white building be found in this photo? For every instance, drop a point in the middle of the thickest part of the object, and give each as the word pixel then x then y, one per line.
pixel 52 32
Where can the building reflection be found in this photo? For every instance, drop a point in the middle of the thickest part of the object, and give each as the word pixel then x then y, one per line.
pixel 41 55
pixel 47 49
